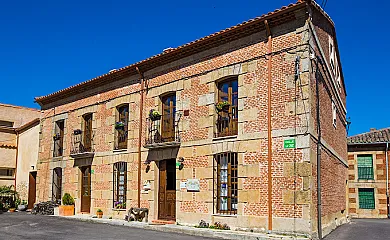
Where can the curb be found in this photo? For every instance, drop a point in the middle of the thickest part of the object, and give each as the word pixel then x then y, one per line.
pixel 200 232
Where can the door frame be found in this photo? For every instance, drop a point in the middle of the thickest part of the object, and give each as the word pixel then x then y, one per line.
pixel 165 215
pixel 32 189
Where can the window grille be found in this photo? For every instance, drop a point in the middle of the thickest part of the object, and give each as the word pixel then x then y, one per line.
pixel 225 183
pixel 120 185
pixel 121 127
pixel 366 198
pixel 365 167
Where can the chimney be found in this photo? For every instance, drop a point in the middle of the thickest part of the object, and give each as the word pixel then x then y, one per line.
pixel 372 129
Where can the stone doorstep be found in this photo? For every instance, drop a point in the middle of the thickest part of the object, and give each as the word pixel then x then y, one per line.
pixel 201 232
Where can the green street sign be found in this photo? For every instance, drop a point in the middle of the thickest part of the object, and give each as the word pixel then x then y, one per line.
pixel 178 164
pixel 289 143
pixel 92 171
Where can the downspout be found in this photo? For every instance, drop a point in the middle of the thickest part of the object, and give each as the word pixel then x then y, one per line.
pixel 17 152
pixel 269 66
pixel 387 179
pixel 141 106
pixel 319 146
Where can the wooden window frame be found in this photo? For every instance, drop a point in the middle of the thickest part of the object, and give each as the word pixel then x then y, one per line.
pixel 87 132
pixel 227 122
pixel 58 148
pixel 229 182
pixel 122 134
pixel 57 184
pixel 119 169
pixel 9 172
pixel 168 121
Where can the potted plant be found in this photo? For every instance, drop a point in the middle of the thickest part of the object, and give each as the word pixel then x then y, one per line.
pixel 222 106
pixel 119 125
pixel 56 136
pixel 99 213
pixel 154 115
pixel 22 206
pixel 67 207
pixel 77 131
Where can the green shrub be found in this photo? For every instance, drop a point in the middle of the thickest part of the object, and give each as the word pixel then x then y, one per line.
pixel 67 199
pixel 99 210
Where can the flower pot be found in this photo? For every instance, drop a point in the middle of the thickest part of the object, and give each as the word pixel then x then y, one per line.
pixel 66 210
pixel 22 207
pixel 155 118
pixel 11 210
pixel 99 214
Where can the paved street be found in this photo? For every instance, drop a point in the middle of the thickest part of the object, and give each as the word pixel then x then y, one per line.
pixel 362 229
pixel 25 226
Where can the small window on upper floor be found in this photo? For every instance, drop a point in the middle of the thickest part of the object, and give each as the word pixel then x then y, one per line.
pixel 227 108
pixel 6 124
pixel 58 138
pixel 334 114
pixel 121 126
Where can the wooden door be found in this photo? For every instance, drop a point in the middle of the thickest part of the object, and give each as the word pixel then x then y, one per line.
pixel 85 189
pixel 167 190
pixel 57 185
pixel 87 133
pixel 168 118
pixel 32 184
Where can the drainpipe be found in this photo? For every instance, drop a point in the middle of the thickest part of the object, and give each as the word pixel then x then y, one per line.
pixel 269 66
pixel 141 106
pixel 17 151
pixel 387 179
pixel 319 146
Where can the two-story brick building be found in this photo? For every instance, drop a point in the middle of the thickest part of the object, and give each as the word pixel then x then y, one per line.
pixel 368 174
pixel 225 128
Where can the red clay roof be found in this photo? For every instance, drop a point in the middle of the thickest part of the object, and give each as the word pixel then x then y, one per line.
pixel 191 46
pixel 374 136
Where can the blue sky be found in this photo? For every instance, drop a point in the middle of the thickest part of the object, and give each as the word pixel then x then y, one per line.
pixel 49 45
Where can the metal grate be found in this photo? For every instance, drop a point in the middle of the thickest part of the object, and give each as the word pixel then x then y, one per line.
pixel 365 167
pixel 163 130
pixel 366 198
pixel 225 183
pixel 120 185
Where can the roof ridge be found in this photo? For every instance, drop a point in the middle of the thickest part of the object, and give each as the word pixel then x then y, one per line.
pixel 20 107
pixel 374 131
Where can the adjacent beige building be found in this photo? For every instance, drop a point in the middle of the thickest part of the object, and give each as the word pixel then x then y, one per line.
pixel 19 143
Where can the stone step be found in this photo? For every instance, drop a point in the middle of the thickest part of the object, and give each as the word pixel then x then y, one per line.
pixel 162 222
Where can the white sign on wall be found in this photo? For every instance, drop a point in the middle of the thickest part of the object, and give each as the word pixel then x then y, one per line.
pixel 193 185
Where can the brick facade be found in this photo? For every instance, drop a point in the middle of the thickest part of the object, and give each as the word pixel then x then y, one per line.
pixel 194 81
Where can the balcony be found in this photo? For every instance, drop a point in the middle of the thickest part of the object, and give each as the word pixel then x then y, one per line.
pixel 82 145
pixel 227 123
pixel 163 132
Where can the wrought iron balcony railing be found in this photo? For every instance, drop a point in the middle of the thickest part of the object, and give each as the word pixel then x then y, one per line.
pixel 82 144
pixel 163 132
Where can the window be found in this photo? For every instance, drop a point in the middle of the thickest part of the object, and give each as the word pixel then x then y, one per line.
pixel 334 114
pixel 120 185
pixel 227 118
pixel 6 124
pixel 366 198
pixel 7 172
pixel 332 54
pixel 225 183
pixel 121 126
pixel 168 118
pixel 58 138
pixel 57 184
pixel 87 135
pixel 365 169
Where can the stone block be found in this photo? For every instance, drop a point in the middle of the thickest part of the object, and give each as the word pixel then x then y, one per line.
pixel 206 173
pixel 187 84
pixel 248 115
pixel 204 196
pixel 204 122
pixel 296 197
pixel 206 99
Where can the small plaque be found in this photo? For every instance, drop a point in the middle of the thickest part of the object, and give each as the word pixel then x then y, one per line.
pixel 193 185
pixel 183 184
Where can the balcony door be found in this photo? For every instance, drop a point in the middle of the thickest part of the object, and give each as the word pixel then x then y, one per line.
pixel 87 133
pixel 168 118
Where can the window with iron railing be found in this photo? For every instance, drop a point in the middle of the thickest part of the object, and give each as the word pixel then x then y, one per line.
pixel 226 183
pixel 82 140
pixel 58 138
pixel 120 185
pixel 226 107
pixel 365 167
pixel 121 127
pixel 366 198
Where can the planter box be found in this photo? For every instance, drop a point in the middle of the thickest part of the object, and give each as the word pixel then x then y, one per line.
pixel 66 210
pixel 99 214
